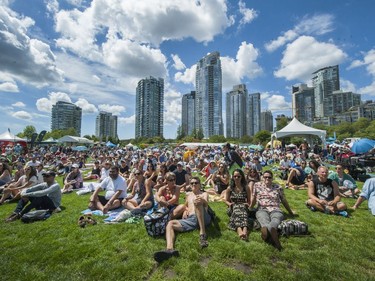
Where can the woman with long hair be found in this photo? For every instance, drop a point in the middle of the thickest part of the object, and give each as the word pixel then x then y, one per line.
pixel 5 173
pixel 14 189
pixel 220 181
pixel 144 199
pixel 238 200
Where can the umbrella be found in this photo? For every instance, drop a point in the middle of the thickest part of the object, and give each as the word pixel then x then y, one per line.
pixel 362 146
pixel 80 148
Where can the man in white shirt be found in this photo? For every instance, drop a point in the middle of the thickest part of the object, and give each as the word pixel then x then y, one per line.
pixel 115 187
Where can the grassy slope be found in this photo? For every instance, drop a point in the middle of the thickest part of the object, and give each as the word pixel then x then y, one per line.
pixel 57 249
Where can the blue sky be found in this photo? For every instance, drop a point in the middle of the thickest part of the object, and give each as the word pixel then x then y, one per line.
pixel 93 53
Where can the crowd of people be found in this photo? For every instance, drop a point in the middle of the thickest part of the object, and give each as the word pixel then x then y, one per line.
pixel 141 179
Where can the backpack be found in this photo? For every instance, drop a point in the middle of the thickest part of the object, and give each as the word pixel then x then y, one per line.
pixel 156 222
pixel 293 227
pixel 37 215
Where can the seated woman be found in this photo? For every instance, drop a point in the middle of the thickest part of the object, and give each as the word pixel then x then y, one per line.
pixel 268 196
pixel 238 199
pixel 168 196
pixel 219 181
pixel 141 196
pixel 150 175
pixel 95 172
pixel 14 189
pixel 208 171
pixel 5 173
pixel 73 180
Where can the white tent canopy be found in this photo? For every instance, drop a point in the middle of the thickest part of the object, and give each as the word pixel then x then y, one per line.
pixel 74 139
pixel 296 128
pixel 7 136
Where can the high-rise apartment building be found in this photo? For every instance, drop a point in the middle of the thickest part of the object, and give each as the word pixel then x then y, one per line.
pixel 208 103
pixel 236 111
pixel 325 81
pixel 106 125
pixel 266 121
pixel 303 104
pixel 188 113
pixel 253 114
pixel 66 115
pixel 341 101
pixel 149 108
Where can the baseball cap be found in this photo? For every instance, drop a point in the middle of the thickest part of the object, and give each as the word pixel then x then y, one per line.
pixel 75 166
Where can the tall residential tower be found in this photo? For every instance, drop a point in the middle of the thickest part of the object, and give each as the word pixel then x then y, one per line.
pixel 66 115
pixel 188 113
pixel 106 125
pixel 208 104
pixel 236 111
pixel 149 108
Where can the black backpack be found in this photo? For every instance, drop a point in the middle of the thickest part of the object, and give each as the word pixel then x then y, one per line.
pixel 37 215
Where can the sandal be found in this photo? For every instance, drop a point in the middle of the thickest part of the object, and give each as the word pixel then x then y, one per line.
pixel 82 221
pixel 90 220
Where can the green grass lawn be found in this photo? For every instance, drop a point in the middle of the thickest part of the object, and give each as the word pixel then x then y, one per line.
pixel 57 249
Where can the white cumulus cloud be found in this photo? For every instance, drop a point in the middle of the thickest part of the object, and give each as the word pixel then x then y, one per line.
pixel 45 104
pixel 127 120
pixel 9 87
pixel 19 104
pixel 309 25
pixel 114 109
pixel 277 103
pixel 86 106
pixel 369 62
pixel 22 115
pixel 306 55
pixel 248 15
pixel 177 62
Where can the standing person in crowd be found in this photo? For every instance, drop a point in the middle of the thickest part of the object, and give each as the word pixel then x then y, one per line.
pixel 324 194
pixel 269 196
pixel 238 199
pixel 43 196
pixel 115 187
pixel 195 216
pixel 368 193
pixel 232 158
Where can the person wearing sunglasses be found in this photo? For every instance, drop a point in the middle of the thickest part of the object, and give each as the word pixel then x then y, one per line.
pixel 43 196
pixel 144 199
pixel 268 197
pixel 195 216
pixel 168 196
pixel 238 198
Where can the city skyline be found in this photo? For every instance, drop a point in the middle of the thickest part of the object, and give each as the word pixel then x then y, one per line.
pixel 68 51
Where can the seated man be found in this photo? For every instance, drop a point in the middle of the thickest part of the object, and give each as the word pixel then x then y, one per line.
pixel 115 187
pixel 296 177
pixel 324 194
pixel 43 196
pixel 195 216
pixel 347 185
pixel 368 192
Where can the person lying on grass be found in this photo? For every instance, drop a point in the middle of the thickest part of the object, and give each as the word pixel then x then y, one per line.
pixel 194 217
pixel 115 187
pixel 324 194
pixel 368 193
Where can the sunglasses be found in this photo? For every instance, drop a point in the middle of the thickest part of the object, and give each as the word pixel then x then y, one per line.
pixel 46 176
pixel 137 174
pixel 194 182
pixel 237 177
pixel 171 179
pixel 267 177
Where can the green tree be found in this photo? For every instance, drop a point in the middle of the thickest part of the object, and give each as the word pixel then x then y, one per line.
pixel 217 139
pixel 180 133
pixel 27 132
pixel 246 139
pixel 262 136
pixel 200 134
pixel 281 122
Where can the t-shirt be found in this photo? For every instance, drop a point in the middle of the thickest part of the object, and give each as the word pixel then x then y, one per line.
pixel 268 198
pixel 111 186
pixel 180 176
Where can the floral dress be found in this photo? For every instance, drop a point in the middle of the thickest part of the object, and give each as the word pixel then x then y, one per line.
pixel 239 212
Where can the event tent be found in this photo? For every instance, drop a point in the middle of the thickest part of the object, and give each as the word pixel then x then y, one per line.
pixel 296 128
pixel 8 137
pixel 75 140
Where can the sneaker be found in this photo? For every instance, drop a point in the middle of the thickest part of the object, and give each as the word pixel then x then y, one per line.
pixel 165 255
pixel 57 210
pixel 203 240
pixel 13 217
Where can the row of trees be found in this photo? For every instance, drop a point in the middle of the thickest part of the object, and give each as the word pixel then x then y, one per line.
pixel 362 128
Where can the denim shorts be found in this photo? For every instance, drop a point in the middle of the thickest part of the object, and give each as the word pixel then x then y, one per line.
pixel 191 222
